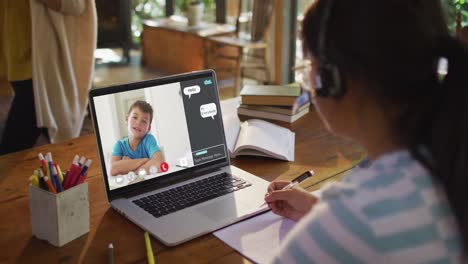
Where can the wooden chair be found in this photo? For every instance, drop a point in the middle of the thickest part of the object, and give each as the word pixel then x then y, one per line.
pixel 243 51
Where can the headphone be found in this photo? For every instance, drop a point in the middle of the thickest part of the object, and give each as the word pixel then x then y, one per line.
pixel 330 80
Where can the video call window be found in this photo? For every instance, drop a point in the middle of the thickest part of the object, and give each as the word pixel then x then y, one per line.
pixel 151 132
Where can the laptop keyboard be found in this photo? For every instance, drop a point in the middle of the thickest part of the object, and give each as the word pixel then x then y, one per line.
pixel 184 196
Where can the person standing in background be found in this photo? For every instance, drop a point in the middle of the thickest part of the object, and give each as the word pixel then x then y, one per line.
pixel 47 48
pixel 15 66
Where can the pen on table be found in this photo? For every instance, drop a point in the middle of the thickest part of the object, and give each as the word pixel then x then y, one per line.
pixel 110 254
pixel 296 181
pixel 149 250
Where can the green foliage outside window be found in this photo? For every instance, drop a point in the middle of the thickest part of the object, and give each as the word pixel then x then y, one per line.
pixel 451 8
pixel 148 9
pixel 144 9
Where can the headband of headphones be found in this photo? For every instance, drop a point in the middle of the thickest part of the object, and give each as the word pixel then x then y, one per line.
pixel 330 81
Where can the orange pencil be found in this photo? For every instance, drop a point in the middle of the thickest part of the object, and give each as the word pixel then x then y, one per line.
pixel 49 184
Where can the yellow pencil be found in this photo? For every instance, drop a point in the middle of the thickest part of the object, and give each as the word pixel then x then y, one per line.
pixel 60 174
pixel 34 180
pixel 149 250
pixel 47 170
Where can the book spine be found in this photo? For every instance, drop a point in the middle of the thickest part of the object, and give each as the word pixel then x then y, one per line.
pixel 267 115
pixel 268 100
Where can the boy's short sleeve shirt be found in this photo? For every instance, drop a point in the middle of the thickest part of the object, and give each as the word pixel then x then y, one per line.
pixel 147 147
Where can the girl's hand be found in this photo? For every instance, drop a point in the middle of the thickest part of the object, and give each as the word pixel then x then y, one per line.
pixel 293 203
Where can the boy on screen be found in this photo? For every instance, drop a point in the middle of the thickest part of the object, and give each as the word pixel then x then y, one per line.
pixel 140 148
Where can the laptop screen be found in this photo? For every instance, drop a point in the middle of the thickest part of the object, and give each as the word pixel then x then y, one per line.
pixel 154 129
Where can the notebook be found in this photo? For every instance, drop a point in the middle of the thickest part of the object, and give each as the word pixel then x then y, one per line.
pixel 255 137
pixel 190 189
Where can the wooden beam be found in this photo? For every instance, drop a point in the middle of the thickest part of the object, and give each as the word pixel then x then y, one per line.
pixel 169 8
pixel 278 24
pixel 285 40
pixel 220 11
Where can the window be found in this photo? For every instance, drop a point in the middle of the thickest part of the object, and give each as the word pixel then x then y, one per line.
pixel 145 9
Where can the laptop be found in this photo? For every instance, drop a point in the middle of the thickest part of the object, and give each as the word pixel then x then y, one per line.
pixel 193 190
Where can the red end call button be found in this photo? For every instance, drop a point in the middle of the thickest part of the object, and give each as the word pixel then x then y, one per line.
pixel 164 167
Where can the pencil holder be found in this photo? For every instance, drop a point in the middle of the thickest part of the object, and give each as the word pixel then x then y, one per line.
pixel 59 218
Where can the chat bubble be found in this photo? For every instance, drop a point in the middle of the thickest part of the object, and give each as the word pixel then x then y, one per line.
pixel 208 110
pixel 191 90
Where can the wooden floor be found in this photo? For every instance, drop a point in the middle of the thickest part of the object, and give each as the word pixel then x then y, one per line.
pixel 108 74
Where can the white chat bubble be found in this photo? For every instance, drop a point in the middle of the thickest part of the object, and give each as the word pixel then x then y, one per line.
pixel 208 110
pixel 191 90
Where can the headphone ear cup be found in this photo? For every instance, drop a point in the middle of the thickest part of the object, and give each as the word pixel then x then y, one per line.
pixel 330 81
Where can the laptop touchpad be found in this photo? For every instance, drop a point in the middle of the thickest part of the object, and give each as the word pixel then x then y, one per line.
pixel 223 209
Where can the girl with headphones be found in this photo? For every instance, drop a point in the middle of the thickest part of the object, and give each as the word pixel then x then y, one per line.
pixel 388 75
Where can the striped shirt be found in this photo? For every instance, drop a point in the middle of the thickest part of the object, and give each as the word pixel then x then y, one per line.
pixel 391 212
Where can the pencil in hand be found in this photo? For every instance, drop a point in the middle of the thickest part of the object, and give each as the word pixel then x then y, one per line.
pixel 296 181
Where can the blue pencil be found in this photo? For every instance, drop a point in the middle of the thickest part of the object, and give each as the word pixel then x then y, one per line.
pixel 51 172
pixel 57 180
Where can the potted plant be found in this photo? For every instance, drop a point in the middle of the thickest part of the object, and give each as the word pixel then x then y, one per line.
pixel 195 10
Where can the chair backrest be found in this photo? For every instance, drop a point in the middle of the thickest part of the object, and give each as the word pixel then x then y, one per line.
pixel 260 20
pixel 261 17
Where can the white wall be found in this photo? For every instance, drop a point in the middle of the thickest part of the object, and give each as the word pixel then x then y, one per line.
pixel 108 127
pixel 169 123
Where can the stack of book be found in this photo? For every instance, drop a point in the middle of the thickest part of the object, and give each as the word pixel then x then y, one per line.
pixel 274 102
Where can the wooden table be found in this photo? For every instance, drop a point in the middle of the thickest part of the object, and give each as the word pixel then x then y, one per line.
pixel 316 149
pixel 170 46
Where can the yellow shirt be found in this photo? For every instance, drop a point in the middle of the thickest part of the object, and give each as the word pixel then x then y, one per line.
pixel 15 40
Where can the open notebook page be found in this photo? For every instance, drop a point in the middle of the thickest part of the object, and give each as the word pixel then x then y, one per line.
pixel 258 238
pixel 231 124
pixel 273 139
